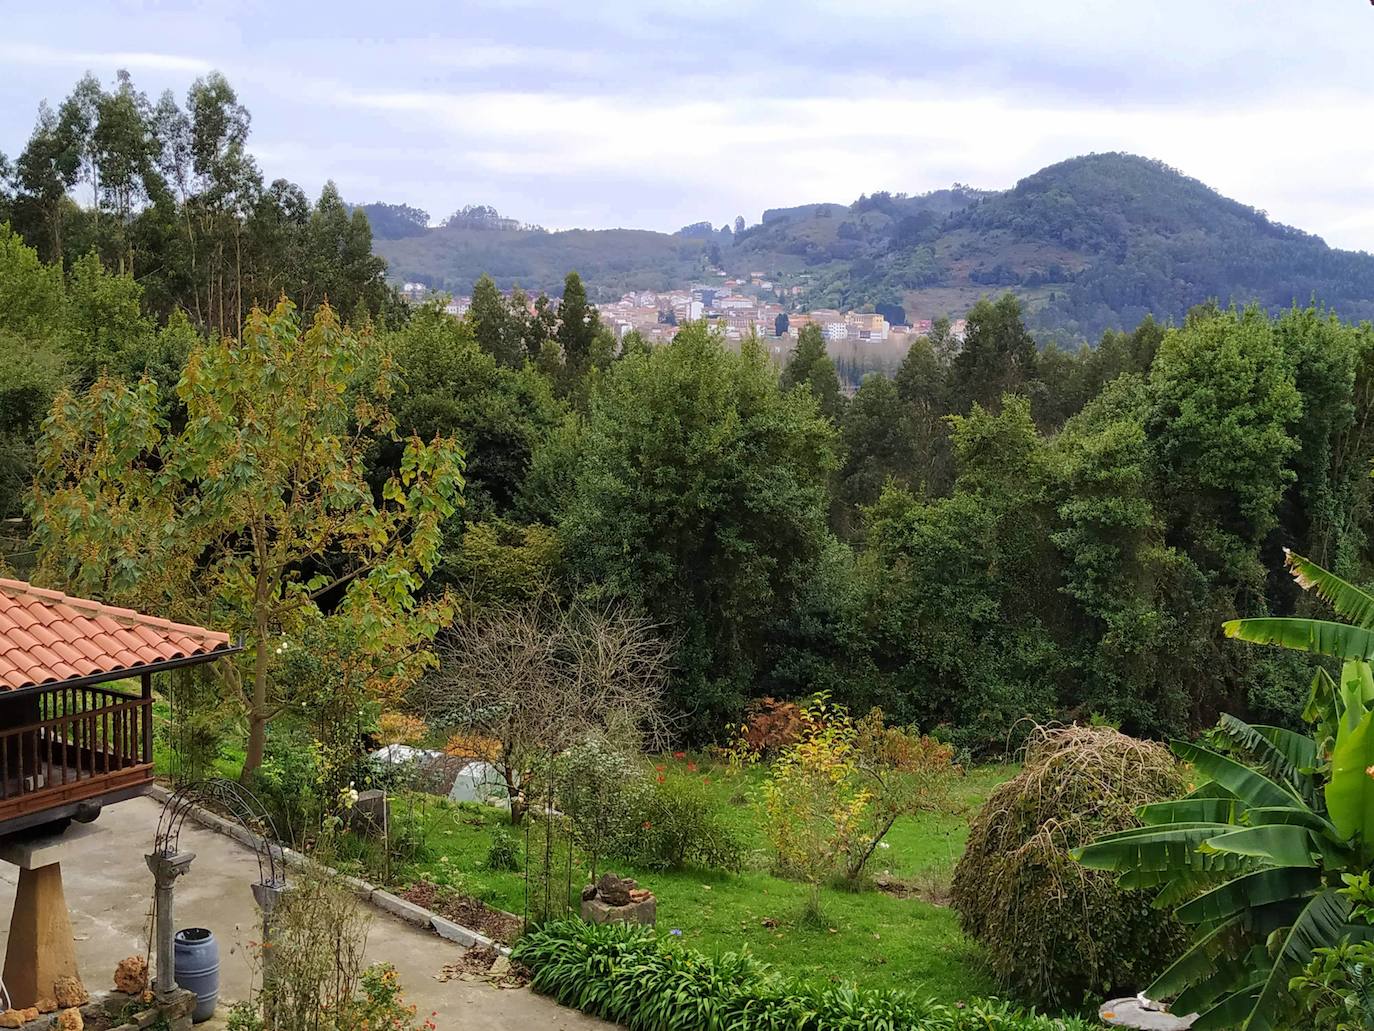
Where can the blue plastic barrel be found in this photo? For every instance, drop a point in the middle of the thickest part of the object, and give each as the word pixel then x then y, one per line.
pixel 196 968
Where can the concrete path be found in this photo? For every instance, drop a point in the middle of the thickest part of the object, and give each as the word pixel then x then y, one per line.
pixel 109 889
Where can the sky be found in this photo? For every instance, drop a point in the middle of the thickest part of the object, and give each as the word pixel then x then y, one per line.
pixel 656 114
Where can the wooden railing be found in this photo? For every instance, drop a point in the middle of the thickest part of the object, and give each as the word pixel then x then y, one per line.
pixel 72 743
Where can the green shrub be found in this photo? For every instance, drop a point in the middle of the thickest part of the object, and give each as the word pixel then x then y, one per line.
pixel 503 854
pixel 1055 933
pixel 601 789
pixel 631 976
pixel 680 823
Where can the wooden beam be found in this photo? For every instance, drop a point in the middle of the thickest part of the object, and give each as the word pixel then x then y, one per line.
pixel 146 714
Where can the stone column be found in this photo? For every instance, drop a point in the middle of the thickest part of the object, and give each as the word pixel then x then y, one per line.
pixel 40 948
pixel 268 896
pixel 166 867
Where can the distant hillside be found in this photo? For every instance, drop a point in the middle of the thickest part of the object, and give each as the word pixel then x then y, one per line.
pixel 611 261
pixel 1090 243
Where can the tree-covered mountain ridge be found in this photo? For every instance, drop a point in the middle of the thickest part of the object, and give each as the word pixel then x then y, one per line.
pixel 1091 243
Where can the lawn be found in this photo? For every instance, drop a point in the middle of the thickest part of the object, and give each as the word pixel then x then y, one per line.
pixel 874 937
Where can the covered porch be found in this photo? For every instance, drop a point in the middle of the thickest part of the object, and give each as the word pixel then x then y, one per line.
pixel 76 734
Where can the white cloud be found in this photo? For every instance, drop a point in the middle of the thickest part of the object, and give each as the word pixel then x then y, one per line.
pixel 657 113
pixel 703 158
pixel 51 57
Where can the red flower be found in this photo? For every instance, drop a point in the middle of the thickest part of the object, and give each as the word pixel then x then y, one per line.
pixel 706 780
pixel 647 825
pixel 660 769
pixel 660 778
pixel 691 767
pixel 679 755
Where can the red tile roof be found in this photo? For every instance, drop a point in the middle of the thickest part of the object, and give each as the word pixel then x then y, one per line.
pixel 47 637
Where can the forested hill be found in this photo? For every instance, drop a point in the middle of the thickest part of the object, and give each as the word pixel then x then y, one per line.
pixel 1091 243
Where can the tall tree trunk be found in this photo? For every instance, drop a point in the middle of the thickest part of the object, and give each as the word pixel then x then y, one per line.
pixel 257 715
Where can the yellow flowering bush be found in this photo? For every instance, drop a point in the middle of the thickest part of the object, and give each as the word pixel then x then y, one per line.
pixel 833 796
pixel 813 799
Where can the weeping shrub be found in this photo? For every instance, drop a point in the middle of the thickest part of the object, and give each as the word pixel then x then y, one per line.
pixel 1057 934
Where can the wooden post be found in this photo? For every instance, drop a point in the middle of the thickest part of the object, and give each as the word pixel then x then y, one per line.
pixel 147 717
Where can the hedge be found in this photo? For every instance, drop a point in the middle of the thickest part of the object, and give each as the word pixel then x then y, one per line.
pixel 633 977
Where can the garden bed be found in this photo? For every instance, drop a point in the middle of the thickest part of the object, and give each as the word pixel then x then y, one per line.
pixel 469 912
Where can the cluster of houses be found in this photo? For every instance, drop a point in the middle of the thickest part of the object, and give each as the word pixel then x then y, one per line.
pixel 741 312
pixel 739 307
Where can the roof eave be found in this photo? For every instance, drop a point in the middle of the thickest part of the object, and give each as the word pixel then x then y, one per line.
pixel 124 674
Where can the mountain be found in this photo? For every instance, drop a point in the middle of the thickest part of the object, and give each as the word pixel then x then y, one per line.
pixel 1090 243
pixel 611 261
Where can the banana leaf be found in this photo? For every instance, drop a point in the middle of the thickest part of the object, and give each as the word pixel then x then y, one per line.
pixel 1321 924
pixel 1350 791
pixel 1287 757
pixel 1231 1011
pixel 1356 690
pixel 1174 848
pixel 1276 844
pixel 1255 889
pixel 1338 640
pixel 1349 601
pixel 1291 815
pixel 1249 785
pixel 1299 749
pixel 1202 961
pixel 1191 810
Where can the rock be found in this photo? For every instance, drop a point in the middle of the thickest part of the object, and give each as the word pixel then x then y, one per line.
pixel 70 1020
pixel 11 1018
pixel 1135 1013
pixel 47 1004
pixel 70 993
pixel 589 892
pixel 613 890
pixel 599 911
pixel 501 967
pixel 370 814
pixel 31 1013
pixel 131 976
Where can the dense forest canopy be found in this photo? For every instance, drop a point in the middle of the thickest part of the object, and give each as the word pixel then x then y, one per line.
pixel 998 531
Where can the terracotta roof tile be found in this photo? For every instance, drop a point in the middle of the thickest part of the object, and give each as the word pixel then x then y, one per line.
pixel 47 637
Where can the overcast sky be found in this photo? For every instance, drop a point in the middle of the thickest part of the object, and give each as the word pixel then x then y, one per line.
pixel 654 115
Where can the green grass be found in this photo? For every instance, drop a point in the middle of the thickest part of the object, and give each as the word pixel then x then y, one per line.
pixel 870 937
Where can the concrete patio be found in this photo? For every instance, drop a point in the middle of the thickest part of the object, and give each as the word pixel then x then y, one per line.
pixel 109 891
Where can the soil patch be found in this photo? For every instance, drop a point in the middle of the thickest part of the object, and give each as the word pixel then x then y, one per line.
pixel 936 893
pixel 474 914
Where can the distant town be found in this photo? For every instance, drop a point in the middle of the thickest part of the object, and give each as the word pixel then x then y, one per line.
pixel 860 342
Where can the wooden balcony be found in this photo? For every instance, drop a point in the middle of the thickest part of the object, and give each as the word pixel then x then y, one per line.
pixel 64 747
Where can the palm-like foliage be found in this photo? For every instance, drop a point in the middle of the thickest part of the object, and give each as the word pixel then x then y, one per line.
pixel 1254 855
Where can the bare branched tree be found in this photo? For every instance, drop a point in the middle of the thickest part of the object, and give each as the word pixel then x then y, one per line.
pixel 528 682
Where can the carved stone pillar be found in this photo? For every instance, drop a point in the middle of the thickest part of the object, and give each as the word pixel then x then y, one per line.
pixel 166 867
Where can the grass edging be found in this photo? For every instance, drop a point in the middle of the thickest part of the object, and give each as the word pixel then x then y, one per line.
pixel 632 976
pixel 376 896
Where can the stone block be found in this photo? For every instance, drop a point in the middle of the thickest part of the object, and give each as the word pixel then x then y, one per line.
pixel 371 813
pixel 596 911
pixel 458 933
pixel 1142 1015
pixel 36 853
pixel 399 907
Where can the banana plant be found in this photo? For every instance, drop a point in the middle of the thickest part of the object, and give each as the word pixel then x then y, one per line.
pixel 1254 857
